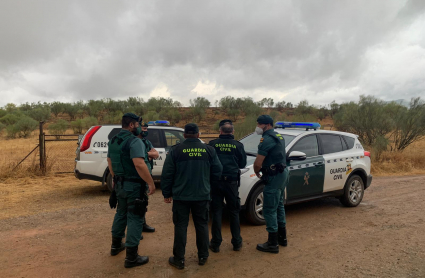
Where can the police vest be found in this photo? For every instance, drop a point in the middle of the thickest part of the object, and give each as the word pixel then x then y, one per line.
pixel 119 152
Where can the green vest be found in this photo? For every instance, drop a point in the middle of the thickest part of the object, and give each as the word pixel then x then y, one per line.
pixel 119 152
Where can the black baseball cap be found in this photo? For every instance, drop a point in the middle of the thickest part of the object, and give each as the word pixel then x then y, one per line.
pixel 133 116
pixel 223 122
pixel 191 128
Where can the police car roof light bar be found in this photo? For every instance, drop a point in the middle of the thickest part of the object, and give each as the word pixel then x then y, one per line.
pixel 162 122
pixel 307 126
pixel 151 123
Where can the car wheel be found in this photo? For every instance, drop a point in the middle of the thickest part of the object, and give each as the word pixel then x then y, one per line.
pixel 353 192
pixel 109 182
pixel 254 212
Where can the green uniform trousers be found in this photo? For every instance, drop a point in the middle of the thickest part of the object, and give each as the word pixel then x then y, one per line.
pixel 274 194
pixel 181 211
pixel 124 217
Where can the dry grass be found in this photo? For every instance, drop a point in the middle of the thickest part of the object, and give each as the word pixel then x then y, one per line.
pixel 409 162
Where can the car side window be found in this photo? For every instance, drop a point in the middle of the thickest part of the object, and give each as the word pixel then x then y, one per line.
pixel 350 141
pixel 307 145
pixel 173 137
pixel 331 143
pixel 154 136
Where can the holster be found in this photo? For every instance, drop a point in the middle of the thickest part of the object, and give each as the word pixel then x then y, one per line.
pixel 273 169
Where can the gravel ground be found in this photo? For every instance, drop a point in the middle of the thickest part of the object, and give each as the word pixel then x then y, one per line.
pixel 383 237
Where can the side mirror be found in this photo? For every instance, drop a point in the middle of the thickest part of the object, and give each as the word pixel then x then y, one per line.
pixel 295 155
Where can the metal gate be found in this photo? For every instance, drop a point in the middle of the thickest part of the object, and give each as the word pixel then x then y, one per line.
pixel 59 153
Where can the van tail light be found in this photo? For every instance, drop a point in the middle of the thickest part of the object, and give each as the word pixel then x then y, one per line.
pixel 87 139
pixel 367 153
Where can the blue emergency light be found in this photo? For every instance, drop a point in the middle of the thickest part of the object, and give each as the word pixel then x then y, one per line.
pixel 151 123
pixel 307 126
pixel 161 122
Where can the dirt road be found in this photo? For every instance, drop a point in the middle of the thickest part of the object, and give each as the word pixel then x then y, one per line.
pixel 63 233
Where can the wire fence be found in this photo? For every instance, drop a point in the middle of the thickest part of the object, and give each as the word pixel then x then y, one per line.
pixel 60 152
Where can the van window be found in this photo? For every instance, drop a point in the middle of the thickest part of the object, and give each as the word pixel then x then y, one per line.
pixel 331 143
pixel 307 145
pixel 113 132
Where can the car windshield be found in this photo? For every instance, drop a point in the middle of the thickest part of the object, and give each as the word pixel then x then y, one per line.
pixel 251 142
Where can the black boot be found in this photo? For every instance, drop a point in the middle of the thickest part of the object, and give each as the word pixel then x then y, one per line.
pixel 117 246
pixel 270 246
pixel 282 236
pixel 177 264
pixel 148 229
pixel 132 259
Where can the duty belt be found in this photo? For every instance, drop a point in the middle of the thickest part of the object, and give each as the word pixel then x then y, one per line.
pixel 273 169
pixel 228 178
pixel 123 179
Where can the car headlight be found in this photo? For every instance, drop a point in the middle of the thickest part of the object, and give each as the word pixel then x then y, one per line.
pixel 244 170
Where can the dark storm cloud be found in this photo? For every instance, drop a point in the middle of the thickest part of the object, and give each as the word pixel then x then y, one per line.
pixel 305 49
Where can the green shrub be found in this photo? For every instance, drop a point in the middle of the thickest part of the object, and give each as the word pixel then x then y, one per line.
pixel 2 112
pixel 274 114
pixel 9 119
pixel 89 122
pixel 246 127
pixel 25 126
pixel 59 127
pixel 151 116
pixel 113 118
pixel 77 126
pixel 40 113
pixel 12 131
pixel 2 126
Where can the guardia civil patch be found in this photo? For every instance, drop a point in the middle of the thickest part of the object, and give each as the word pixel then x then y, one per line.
pixel 262 139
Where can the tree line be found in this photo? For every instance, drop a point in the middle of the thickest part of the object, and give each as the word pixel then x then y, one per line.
pixel 381 125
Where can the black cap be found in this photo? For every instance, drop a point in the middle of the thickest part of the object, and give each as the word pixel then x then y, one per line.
pixel 191 128
pixel 133 116
pixel 265 119
pixel 223 122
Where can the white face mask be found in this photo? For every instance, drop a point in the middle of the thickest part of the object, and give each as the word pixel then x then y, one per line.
pixel 259 130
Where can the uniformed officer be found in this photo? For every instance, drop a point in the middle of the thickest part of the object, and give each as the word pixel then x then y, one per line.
pixel 131 178
pixel 186 175
pixel 271 161
pixel 232 156
pixel 151 154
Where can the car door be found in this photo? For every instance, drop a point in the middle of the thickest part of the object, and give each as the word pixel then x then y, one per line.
pixel 337 161
pixel 306 177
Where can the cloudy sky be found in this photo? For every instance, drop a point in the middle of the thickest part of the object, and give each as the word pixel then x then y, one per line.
pixel 288 50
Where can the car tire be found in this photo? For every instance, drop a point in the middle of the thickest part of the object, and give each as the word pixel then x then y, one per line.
pixel 109 182
pixel 254 208
pixel 353 192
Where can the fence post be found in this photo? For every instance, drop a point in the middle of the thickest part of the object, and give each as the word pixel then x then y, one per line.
pixel 42 145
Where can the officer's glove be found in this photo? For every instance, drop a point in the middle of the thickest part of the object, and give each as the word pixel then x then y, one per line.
pixel 113 200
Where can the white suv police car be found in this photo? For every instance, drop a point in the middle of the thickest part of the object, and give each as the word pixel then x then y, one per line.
pixel 91 163
pixel 321 163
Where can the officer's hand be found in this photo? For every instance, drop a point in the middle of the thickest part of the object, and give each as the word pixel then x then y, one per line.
pixel 151 189
pixel 168 200
pixel 258 175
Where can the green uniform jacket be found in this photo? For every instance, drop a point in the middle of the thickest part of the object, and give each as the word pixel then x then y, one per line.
pixel 188 169
pixel 231 154
pixel 272 146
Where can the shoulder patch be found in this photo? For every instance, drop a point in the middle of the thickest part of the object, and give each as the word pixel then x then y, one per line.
pixel 262 139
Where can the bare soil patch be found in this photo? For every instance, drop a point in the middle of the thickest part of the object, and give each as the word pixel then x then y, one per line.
pixel 60 227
